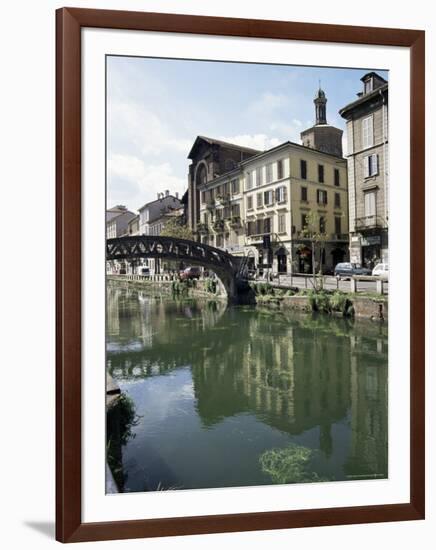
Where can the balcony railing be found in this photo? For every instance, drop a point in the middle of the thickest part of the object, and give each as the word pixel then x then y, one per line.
pixel 223 199
pixel 260 236
pixel 235 221
pixel 368 222
pixel 218 225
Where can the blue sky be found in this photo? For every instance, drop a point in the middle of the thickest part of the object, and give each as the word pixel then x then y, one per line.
pixel 157 107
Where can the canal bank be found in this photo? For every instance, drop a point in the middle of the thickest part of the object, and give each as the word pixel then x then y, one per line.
pixel 332 302
pixel 167 285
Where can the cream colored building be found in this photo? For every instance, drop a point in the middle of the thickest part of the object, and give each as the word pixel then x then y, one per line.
pixel 260 207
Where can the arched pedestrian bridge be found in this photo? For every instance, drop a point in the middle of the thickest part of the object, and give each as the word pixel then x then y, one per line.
pixel 227 267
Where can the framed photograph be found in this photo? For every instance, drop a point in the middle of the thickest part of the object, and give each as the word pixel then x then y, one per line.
pixel 240 274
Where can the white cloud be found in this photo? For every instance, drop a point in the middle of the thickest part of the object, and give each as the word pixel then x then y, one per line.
pixel 267 103
pixel 255 141
pixel 285 131
pixel 132 182
pixel 132 125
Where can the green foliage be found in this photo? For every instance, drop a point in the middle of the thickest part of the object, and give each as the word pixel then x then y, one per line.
pixel 176 228
pixel 181 288
pixel 311 227
pixel 121 419
pixel 263 289
pixel 339 302
pixel 328 302
pixel 320 301
pixel 127 416
pixel 211 285
pixel 289 465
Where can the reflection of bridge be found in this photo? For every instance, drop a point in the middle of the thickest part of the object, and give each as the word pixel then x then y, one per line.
pixel 227 267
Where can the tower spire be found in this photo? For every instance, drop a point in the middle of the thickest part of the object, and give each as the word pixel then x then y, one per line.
pixel 320 106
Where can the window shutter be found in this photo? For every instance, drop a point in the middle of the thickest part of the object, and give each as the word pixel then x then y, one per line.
pixel 370 132
pixel 366 167
pixel 364 132
pixel 325 197
pixel 375 164
pixel 367 132
pixel 285 194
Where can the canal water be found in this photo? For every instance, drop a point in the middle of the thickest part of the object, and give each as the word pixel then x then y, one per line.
pixel 221 397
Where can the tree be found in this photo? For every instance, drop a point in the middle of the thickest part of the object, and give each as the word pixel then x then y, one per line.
pixel 175 227
pixel 314 231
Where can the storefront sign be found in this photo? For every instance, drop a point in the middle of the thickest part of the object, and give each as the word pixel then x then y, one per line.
pixel 368 241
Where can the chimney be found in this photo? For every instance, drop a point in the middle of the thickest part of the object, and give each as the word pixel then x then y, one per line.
pixel 158 195
pixel 177 194
pixel 167 192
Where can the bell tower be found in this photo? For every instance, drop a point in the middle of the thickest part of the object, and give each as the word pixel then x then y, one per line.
pixel 320 107
pixel 322 136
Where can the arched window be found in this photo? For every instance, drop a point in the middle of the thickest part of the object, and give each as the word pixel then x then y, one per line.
pixel 229 164
pixel 201 176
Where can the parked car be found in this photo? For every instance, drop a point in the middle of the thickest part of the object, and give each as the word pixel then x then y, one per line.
pixel 348 269
pixel 381 270
pixel 190 273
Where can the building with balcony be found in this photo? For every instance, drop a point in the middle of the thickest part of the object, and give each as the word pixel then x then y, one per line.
pixel 259 207
pixel 368 173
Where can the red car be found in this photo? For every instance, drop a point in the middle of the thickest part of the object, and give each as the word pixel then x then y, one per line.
pixel 190 273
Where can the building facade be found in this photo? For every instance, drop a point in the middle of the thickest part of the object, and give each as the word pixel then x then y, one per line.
pixel 133 226
pixel 118 224
pixel 210 158
pixel 261 207
pixel 368 171
pixel 153 210
pixel 117 221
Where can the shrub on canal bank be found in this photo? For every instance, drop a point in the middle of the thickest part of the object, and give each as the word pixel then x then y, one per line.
pixel 322 301
pixel 179 287
pixel 121 419
pixel 264 289
pixel 330 302
pixel 211 285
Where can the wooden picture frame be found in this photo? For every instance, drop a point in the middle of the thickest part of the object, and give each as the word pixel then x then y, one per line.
pixel 69 526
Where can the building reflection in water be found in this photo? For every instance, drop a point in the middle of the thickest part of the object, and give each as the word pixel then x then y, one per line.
pixel 314 380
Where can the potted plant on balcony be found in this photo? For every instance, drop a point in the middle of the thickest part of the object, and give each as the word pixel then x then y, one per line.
pixel 202 228
pixel 218 224
pixel 235 221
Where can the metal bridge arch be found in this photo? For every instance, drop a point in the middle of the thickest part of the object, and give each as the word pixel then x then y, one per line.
pixel 226 266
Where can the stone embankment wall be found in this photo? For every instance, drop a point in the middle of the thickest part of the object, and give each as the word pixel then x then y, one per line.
pixel 364 307
pixel 199 287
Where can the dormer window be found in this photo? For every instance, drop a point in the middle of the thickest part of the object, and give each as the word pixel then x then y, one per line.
pixel 368 85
